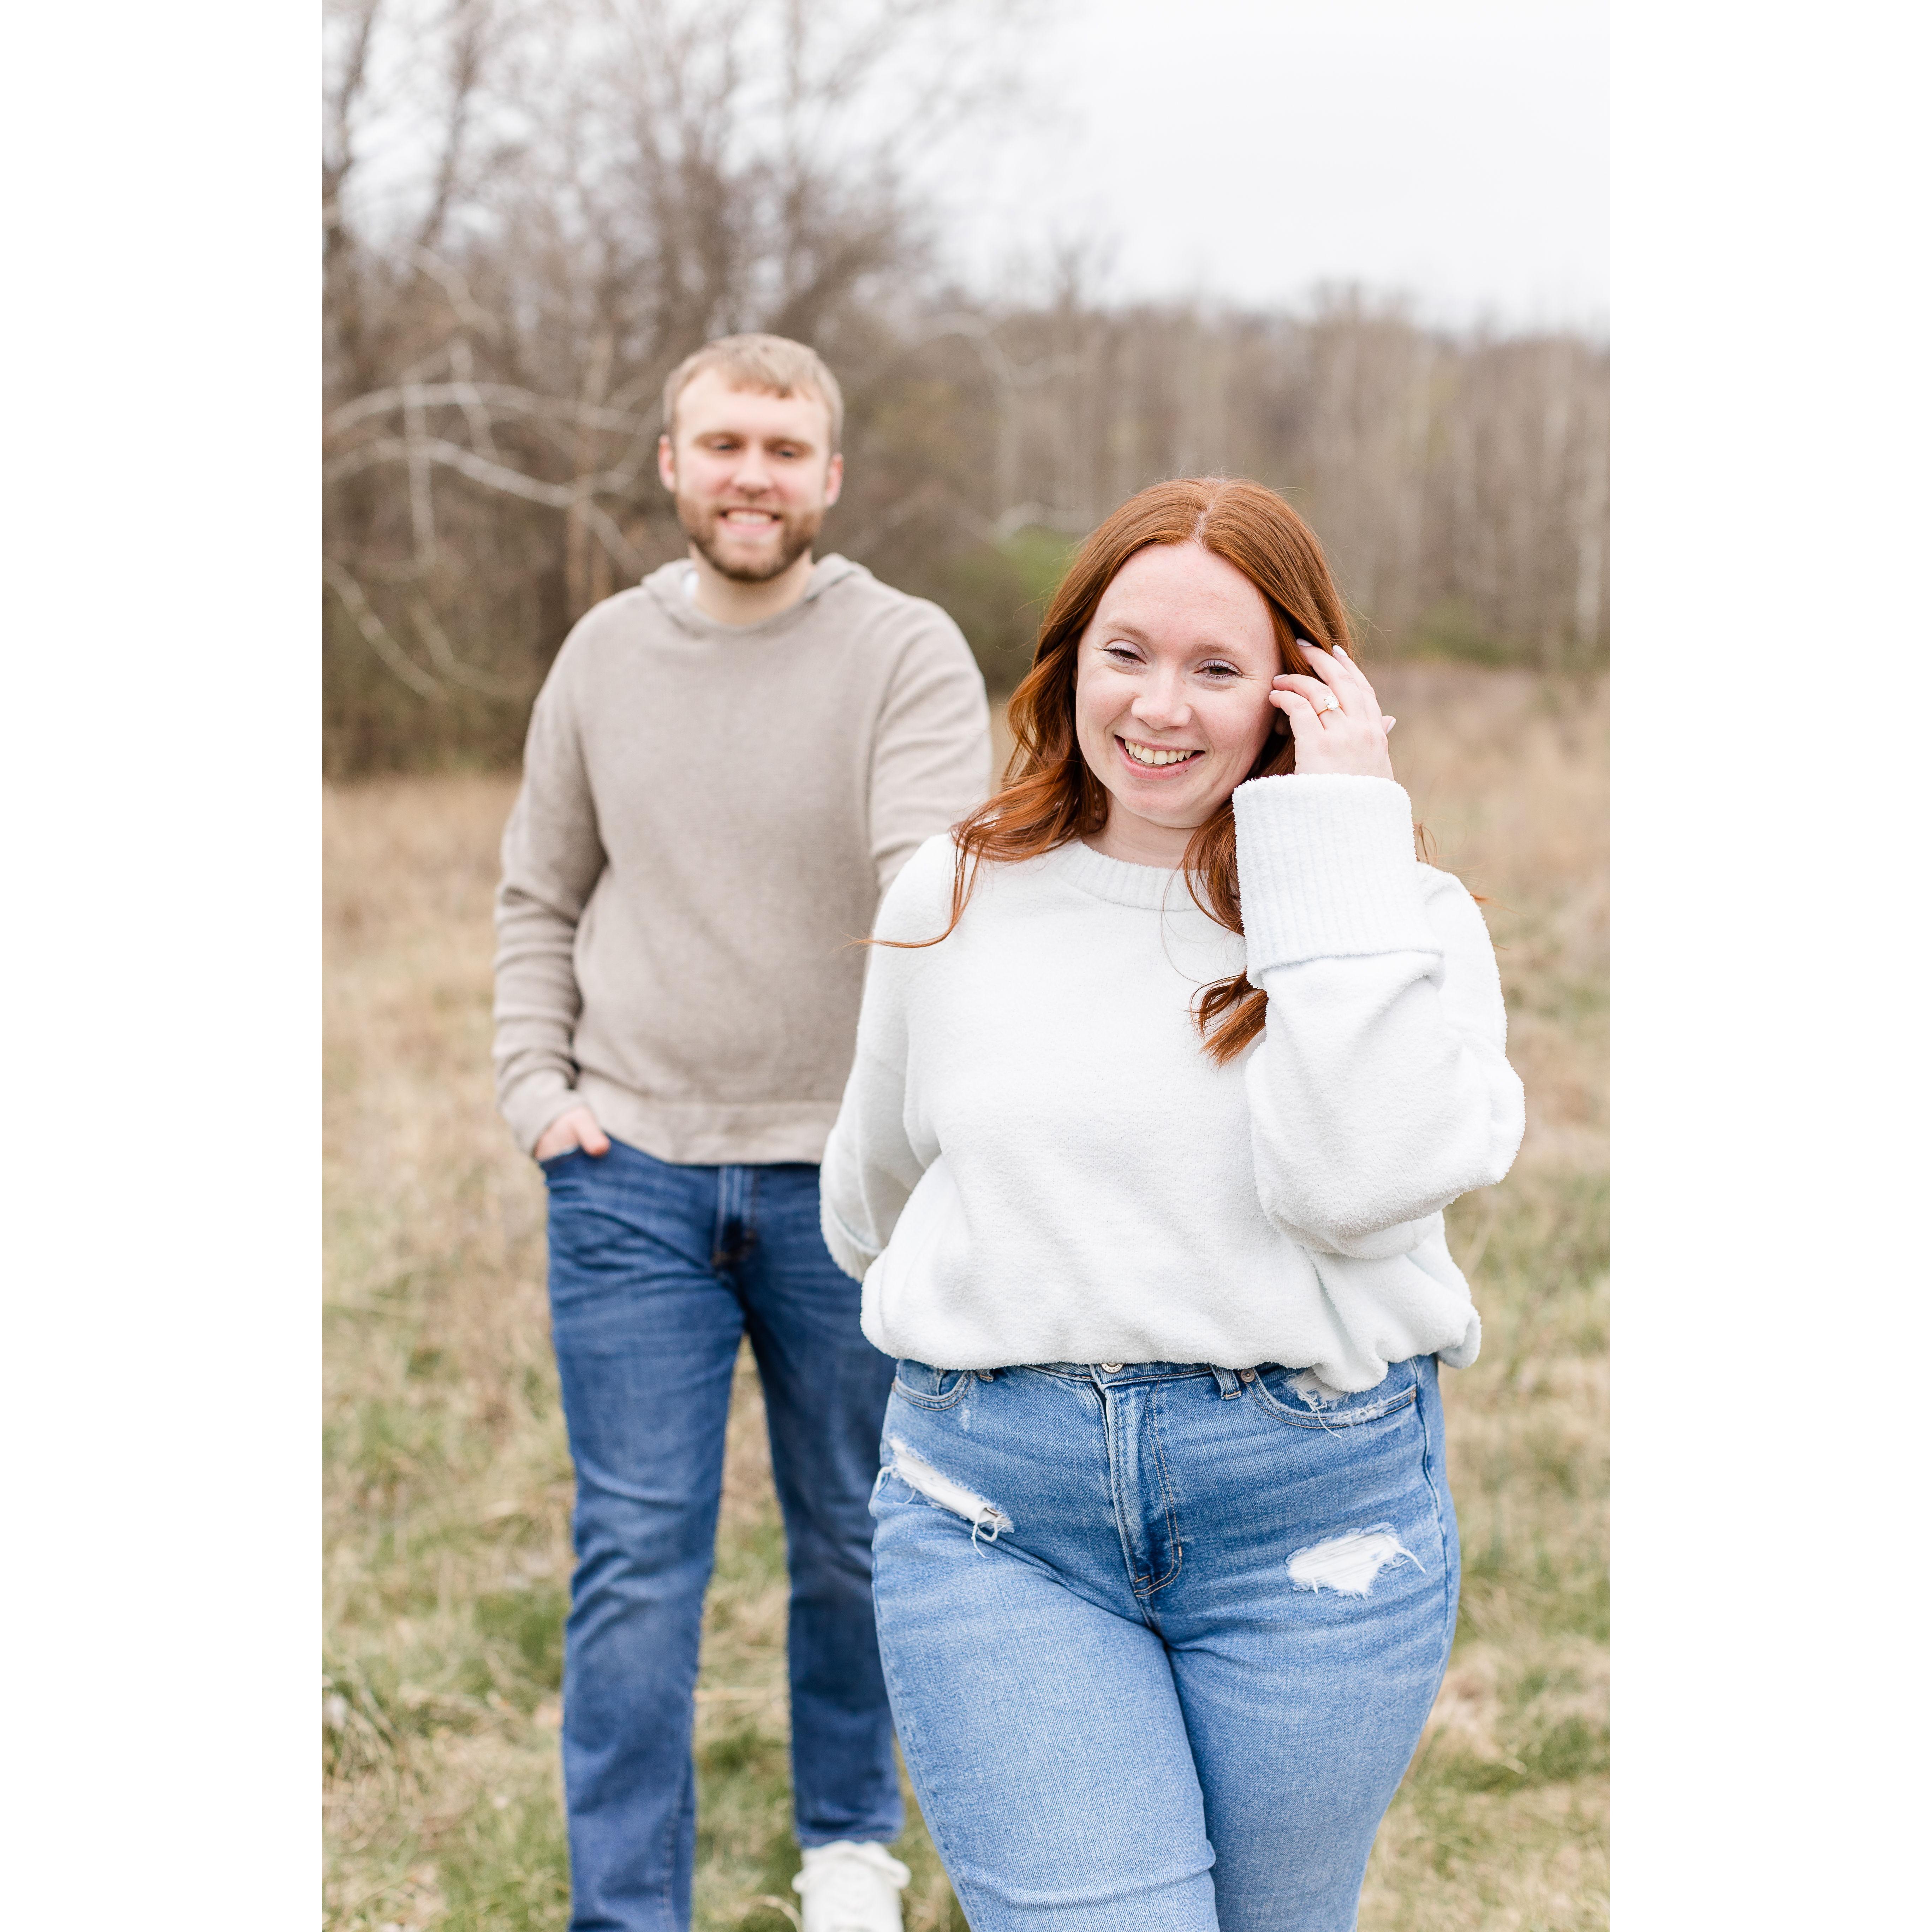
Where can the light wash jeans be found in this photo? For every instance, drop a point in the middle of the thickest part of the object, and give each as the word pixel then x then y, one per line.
pixel 1160 1639
pixel 656 1272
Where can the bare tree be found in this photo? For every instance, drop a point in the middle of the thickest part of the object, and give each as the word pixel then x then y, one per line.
pixel 564 201
pixel 533 209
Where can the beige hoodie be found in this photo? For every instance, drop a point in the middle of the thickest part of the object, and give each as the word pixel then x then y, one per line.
pixel 709 815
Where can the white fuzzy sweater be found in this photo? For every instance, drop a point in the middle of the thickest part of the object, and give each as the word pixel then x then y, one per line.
pixel 1036 1162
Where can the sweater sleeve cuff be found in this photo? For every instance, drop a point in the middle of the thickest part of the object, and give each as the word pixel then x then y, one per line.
pixel 850 1255
pixel 530 1108
pixel 1328 869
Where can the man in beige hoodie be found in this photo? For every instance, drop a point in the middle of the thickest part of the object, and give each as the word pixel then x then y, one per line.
pixel 726 766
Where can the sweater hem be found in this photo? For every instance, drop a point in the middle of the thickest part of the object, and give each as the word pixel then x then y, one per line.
pixel 706 1134
pixel 1344 1369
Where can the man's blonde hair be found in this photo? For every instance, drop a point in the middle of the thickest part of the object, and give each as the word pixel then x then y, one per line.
pixel 771 363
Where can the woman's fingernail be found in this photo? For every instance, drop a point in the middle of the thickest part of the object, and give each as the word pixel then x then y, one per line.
pixel 1339 651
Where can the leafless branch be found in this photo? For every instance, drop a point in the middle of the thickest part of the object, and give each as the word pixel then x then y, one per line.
pixel 446 660
pixel 371 626
pixel 613 540
pixel 469 22
pixel 338 153
pixel 450 278
pixel 490 396
pixel 469 399
pixel 412 450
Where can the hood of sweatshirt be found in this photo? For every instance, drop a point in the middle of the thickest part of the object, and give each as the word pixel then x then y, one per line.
pixel 669 586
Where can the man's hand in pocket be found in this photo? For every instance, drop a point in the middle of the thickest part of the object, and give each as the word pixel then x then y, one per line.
pixel 576 1128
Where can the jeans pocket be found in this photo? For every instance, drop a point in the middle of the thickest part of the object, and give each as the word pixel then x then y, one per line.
pixel 929 1388
pixel 1301 1398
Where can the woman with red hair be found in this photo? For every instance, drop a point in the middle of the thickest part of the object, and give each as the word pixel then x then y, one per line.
pixel 1171 1057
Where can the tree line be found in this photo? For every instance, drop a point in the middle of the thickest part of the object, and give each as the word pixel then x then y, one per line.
pixel 532 209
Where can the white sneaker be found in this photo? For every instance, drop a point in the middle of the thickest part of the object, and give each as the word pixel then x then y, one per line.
pixel 849 1888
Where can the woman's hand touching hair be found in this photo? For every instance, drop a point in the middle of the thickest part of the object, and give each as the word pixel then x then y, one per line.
pixel 1337 723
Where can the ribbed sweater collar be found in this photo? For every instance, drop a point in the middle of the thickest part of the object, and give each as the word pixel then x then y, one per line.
pixel 1147 888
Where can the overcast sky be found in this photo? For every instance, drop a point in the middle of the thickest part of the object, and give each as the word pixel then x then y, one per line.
pixel 1457 150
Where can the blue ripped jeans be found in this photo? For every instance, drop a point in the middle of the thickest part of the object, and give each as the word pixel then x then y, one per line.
pixel 657 1272
pixel 1161 1638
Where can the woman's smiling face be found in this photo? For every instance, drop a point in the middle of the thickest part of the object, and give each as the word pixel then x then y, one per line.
pixel 1170 696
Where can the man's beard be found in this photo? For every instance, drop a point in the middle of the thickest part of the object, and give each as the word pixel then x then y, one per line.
pixel 797 532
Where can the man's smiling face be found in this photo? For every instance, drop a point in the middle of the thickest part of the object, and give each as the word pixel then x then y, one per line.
pixel 752 473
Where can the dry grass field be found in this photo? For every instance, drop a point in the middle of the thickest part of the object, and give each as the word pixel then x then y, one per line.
pixel 448 1485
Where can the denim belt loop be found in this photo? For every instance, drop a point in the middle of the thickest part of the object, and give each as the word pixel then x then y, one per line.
pixel 1231 1383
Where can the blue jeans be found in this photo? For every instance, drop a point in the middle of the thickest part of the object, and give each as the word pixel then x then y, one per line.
pixel 656 1272
pixel 1161 1638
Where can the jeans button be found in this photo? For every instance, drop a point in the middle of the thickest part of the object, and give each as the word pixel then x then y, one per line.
pixel 1247 1375
pixel 1111 1368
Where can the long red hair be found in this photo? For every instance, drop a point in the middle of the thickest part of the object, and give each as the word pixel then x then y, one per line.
pixel 1048 795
